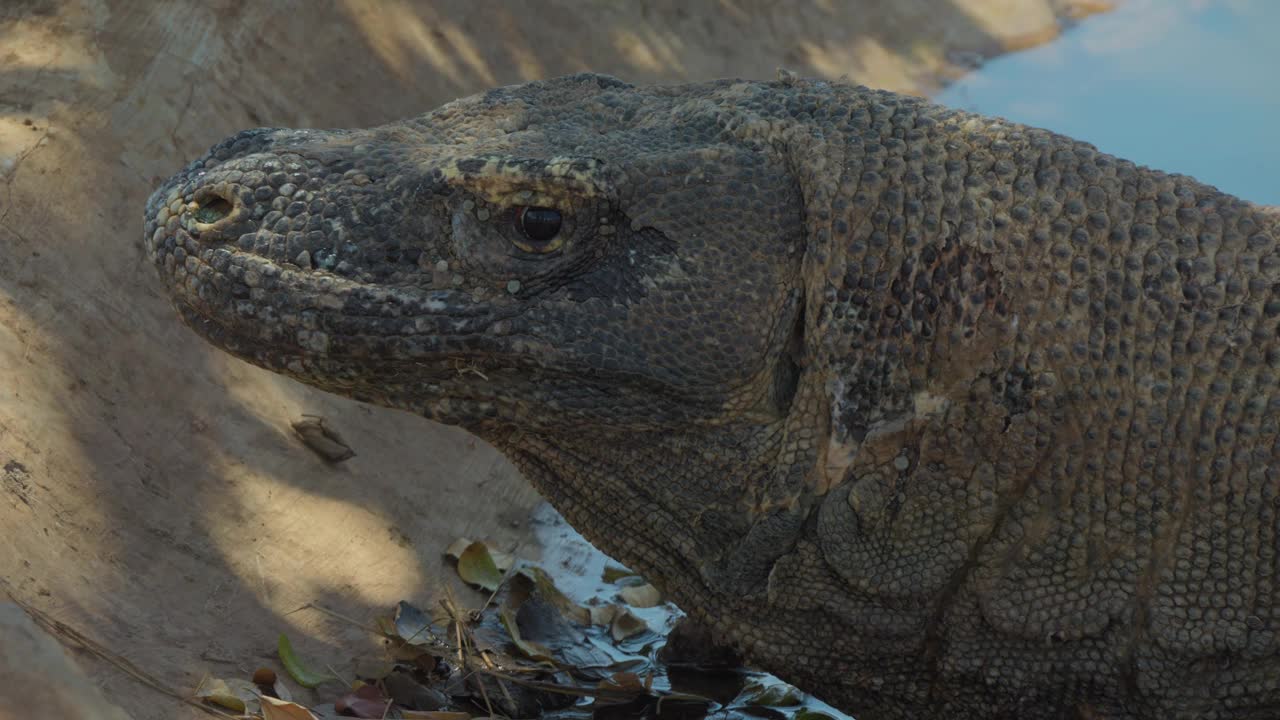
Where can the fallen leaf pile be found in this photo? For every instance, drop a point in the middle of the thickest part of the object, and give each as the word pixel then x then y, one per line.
pixel 528 652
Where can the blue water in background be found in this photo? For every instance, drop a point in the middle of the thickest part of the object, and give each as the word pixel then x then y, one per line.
pixel 1186 86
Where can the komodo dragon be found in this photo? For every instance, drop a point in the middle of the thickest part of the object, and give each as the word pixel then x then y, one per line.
pixel 933 415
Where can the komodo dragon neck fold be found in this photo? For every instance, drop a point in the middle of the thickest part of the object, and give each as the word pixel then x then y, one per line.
pixel 934 415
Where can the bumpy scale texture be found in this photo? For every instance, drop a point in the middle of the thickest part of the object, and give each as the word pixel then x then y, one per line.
pixel 932 414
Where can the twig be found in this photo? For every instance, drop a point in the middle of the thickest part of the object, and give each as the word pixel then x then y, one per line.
pixel 66 632
pixel 338 675
pixel 338 615
pixel 203 679
pixel 575 690
pixel 515 564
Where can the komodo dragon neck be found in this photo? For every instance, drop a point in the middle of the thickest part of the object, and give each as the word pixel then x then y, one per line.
pixel 999 321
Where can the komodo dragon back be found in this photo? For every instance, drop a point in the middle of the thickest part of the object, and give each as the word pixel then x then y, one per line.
pixel 932 414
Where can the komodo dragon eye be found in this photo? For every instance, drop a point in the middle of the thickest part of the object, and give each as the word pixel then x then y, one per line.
pixel 539 229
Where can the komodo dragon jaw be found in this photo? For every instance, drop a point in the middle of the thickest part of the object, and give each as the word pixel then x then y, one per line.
pixel 934 415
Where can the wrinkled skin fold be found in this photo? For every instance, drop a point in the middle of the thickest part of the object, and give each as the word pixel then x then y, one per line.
pixel 933 415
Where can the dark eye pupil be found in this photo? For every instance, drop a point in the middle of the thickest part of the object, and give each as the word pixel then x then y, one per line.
pixel 539 224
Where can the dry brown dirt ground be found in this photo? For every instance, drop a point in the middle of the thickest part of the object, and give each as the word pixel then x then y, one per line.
pixel 152 494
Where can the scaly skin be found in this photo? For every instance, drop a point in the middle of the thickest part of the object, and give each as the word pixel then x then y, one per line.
pixel 933 415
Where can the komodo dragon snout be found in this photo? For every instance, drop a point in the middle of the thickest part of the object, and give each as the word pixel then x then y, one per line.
pixel 931 414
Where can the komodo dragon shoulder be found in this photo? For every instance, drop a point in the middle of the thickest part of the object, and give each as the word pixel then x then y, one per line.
pixel 932 414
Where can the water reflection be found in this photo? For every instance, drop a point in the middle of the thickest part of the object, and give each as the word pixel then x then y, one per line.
pixel 1185 86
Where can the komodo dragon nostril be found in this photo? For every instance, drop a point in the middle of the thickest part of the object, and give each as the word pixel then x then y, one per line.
pixel 213 209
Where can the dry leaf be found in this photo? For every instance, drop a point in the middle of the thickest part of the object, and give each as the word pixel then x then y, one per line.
pixel 546 587
pixel 602 614
pixel 775 695
pixel 530 649
pixel 323 441
pixel 412 625
pixel 502 560
pixel 366 701
pixel 435 715
pixel 626 625
pixel 455 550
pixel 273 709
pixel 476 566
pixel 614 573
pixel 626 682
pixel 237 695
pixel 641 596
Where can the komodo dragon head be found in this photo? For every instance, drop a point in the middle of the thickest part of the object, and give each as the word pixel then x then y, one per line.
pixel 539 259
pixel 603 281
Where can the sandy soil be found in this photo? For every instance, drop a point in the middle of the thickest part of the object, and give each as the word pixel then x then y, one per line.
pixel 152 493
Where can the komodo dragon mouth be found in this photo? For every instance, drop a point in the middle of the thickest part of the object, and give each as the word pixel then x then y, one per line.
pixel 991 414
